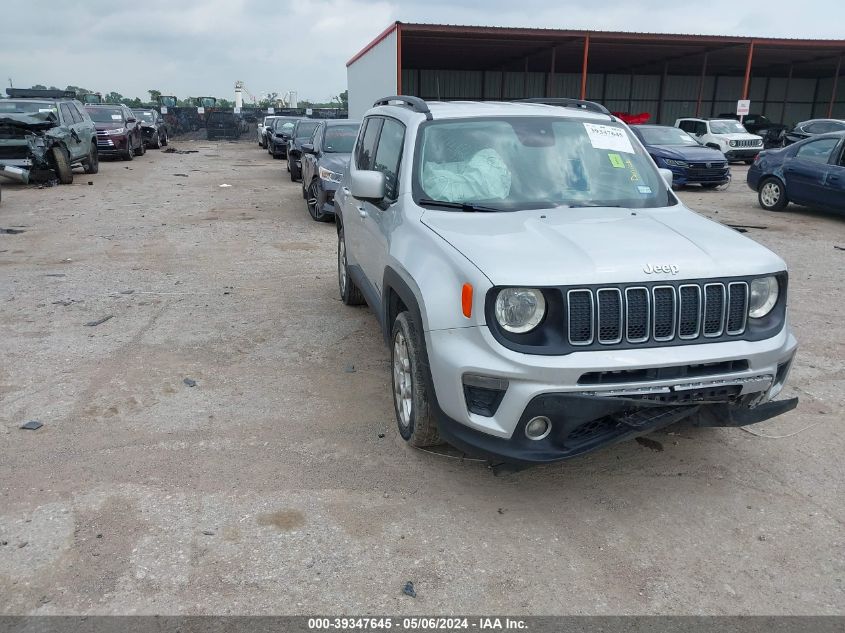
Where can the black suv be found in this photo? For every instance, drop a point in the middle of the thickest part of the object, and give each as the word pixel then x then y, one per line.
pixel 222 125
pixel 324 162
pixel 45 130
pixel 153 128
pixel 772 133
pixel 302 132
pixel 278 135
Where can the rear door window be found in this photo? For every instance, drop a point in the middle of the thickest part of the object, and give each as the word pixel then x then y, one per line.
pixel 818 151
pixel 67 116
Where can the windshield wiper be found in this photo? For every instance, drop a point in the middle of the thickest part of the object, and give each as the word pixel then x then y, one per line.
pixel 466 207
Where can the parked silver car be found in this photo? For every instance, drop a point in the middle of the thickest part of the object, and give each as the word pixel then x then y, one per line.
pixel 542 290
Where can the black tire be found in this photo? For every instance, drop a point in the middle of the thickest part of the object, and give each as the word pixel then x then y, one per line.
pixel 129 154
pixel 157 144
pixel 61 165
pixel 142 148
pixel 748 161
pixel 771 194
pixel 312 201
pixel 164 139
pixel 350 294
pixel 92 163
pixel 409 383
pixel 295 172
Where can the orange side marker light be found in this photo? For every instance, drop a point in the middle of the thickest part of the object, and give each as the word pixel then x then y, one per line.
pixel 466 300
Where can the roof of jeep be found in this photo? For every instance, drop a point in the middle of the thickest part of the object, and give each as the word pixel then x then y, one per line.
pixel 466 109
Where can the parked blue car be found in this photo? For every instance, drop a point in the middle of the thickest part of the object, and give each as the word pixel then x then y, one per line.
pixel 810 173
pixel 690 162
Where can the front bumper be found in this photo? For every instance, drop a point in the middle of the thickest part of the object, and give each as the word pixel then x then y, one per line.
pixel 587 416
pixel 279 148
pixel 685 176
pixel 743 154
pixel 107 145
pixel 326 197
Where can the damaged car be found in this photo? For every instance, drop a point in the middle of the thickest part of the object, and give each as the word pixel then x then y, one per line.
pixel 542 291
pixel 153 128
pixel 45 131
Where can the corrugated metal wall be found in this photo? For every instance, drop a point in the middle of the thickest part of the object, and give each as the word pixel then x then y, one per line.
pixel 807 98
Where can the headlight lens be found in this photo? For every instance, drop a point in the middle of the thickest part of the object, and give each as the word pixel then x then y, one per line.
pixel 116 131
pixel 763 296
pixel 732 143
pixel 520 310
pixel 675 163
pixel 329 175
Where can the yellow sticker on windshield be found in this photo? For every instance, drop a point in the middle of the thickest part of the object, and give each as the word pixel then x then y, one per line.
pixel 616 161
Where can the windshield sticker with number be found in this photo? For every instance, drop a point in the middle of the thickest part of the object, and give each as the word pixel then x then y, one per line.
pixel 609 137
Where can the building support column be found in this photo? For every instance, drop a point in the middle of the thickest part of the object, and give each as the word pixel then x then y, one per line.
pixel 786 95
pixel 701 86
pixel 398 58
pixel 584 67
pixel 835 88
pixel 715 94
pixel 631 92
pixel 550 80
pixel 748 60
pixel 662 96
pixel 525 80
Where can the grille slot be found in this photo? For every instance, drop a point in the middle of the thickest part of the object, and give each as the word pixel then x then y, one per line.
pixel 664 313
pixel 714 309
pixel 637 313
pixel 689 312
pixel 580 316
pixel 737 307
pixel 610 315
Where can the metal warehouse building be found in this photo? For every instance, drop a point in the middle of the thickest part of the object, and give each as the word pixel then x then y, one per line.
pixel 669 76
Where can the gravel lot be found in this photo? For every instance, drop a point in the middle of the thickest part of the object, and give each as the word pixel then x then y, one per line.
pixel 278 484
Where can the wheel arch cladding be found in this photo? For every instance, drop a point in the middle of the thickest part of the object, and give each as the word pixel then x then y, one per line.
pixel 397 294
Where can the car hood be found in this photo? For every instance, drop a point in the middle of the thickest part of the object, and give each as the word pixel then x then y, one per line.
pixel 27 121
pixel 554 247
pixel 109 126
pixel 687 152
pixel 335 162
pixel 739 136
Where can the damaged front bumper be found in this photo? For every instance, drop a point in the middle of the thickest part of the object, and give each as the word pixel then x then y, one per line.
pixel 18 158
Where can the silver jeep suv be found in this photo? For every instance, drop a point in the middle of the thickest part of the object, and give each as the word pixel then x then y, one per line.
pixel 542 290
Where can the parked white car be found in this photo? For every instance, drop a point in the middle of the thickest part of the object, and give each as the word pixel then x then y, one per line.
pixel 262 130
pixel 727 135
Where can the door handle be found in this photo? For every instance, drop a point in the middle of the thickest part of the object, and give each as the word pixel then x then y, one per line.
pixel 362 212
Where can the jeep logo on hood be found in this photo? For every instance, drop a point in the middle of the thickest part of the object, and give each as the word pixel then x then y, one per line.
pixel 650 269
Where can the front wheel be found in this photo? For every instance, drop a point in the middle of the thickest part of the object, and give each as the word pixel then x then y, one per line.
pixel 772 194
pixel 164 139
pixel 749 161
pixel 417 425
pixel 61 163
pixel 349 292
pixel 312 200
pixel 129 154
pixel 142 149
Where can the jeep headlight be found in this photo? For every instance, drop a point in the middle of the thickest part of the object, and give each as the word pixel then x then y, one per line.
pixel 331 176
pixel 732 143
pixel 763 295
pixel 520 310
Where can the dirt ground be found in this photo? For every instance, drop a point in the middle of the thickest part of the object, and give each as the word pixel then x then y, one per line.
pixel 278 483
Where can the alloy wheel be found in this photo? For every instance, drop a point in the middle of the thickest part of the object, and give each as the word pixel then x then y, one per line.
pixel 341 264
pixel 770 194
pixel 403 382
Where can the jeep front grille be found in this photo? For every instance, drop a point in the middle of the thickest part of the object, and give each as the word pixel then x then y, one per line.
pixel 662 313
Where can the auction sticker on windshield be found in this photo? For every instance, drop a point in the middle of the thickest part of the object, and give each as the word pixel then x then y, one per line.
pixel 608 137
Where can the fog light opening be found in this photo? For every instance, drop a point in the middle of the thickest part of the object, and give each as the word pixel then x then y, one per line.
pixel 538 428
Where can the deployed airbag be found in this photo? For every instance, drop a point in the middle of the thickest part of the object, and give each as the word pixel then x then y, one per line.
pixel 484 177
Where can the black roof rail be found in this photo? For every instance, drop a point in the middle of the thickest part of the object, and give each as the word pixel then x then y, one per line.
pixel 564 102
pixel 37 93
pixel 415 103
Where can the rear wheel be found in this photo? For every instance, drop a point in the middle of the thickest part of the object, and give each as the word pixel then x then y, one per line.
pixel 349 292
pixel 61 163
pixel 414 418
pixel 92 163
pixel 772 194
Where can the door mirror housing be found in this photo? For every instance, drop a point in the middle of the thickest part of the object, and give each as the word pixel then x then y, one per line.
pixel 131 120
pixel 367 185
pixel 308 148
pixel 667 176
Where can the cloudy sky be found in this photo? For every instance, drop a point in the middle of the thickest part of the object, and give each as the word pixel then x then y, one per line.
pixel 200 47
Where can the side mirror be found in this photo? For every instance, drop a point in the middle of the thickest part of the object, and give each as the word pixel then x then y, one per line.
pixel 667 176
pixel 368 185
pixel 131 120
pixel 308 148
